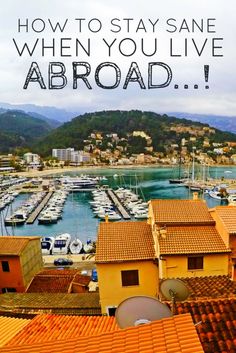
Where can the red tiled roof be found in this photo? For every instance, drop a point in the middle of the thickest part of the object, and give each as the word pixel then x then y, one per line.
pixel 209 287
pixel 11 245
pixel 174 334
pixel 191 240
pixel 215 322
pixel 227 215
pixel 56 281
pixel 124 241
pixel 181 212
pixel 50 327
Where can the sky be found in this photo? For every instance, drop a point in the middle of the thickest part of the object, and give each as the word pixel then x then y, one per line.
pixel 186 36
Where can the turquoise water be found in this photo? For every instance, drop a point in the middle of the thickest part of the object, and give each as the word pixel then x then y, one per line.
pixel 78 218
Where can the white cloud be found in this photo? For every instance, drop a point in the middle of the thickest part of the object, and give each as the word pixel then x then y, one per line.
pixel 219 99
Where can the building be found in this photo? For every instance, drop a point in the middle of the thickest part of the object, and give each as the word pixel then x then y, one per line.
pixel 225 218
pixel 70 155
pixel 126 263
pixel 31 158
pixel 62 154
pixel 186 240
pixel 21 259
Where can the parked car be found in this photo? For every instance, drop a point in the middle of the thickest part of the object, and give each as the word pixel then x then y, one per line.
pixel 94 275
pixel 63 262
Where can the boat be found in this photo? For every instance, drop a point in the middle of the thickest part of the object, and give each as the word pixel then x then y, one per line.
pixel 82 183
pixel 48 218
pixel 47 245
pixel 89 247
pixel 76 246
pixel 232 200
pixel 61 244
pixel 17 218
pixel 111 216
pixel 218 193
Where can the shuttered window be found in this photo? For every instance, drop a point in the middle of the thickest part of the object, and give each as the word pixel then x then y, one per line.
pixel 195 263
pixel 129 278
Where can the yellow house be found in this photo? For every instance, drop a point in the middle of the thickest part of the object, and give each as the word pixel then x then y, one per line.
pixel 225 218
pixel 126 263
pixel 186 240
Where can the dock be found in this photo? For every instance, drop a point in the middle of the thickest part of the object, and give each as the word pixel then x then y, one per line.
pixel 32 217
pixel 118 204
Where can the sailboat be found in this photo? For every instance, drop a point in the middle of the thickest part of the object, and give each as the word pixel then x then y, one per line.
pixel 178 180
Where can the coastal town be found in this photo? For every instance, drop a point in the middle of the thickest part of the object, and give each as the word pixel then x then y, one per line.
pixel 46 308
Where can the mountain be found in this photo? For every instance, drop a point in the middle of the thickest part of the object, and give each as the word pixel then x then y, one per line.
pixel 18 129
pixel 225 123
pixel 163 130
pixel 60 115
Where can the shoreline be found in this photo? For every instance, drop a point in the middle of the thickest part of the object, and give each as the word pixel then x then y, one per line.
pixel 47 172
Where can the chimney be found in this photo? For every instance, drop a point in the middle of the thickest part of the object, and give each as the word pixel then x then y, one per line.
pixel 195 196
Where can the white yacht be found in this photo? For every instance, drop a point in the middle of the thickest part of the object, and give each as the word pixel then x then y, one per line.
pixel 47 245
pixel 61 244
pixel 76 246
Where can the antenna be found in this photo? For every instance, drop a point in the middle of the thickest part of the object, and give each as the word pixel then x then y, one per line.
pixel 174 290
pixel 139 310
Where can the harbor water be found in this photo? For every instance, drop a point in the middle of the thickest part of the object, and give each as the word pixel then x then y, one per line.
pixel 78 218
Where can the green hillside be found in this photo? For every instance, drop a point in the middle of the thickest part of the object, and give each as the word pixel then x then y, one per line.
pixel 162 129
pixel 18 129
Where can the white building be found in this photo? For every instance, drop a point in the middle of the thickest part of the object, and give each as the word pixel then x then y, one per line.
pixel 63 154
pixel 31 158
pixel 70 155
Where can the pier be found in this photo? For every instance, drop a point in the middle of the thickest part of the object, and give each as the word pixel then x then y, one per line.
pixel 35 213
pixel 118 204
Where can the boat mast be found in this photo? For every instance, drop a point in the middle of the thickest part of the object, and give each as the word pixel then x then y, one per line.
pixel 193 176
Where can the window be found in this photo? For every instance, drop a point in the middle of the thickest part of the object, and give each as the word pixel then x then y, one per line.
pixel 129 278
pixel 195 263
pixel 111 311
pixel 5 266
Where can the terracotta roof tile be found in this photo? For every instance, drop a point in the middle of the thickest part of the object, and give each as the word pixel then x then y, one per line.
pixel 228 217
pixel 56 281
pixel 215 322
pixel 50 327
pixel 210 287
pixel 14 245
pixel 59 303
pixel 9 327
pixel 124 241
pixel 192 240
pixel 158 336
pixel 181 212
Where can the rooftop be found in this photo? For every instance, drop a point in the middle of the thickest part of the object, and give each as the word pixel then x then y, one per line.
pixel 181 212
pixel 9 327
pixel 174 334
pixel 58 303
pixel 215 322
pixel 11 245
pixel 211 287
pixel 192 240
pixel 124 241
pixel 51 327
pixel 227 214
pixel 56 281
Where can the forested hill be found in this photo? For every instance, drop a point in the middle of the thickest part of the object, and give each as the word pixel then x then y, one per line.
pixel 18 129
pixel 162 129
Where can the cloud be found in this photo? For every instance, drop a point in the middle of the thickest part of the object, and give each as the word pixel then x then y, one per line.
pixel 136 35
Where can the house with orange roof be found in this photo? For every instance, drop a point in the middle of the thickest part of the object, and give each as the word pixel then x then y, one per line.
pixel 225 218
pixel 126 263
pixel 20 259
pixel 186 240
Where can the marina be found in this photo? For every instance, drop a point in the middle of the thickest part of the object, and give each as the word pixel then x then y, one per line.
pixel 78 218
pixel 39 208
